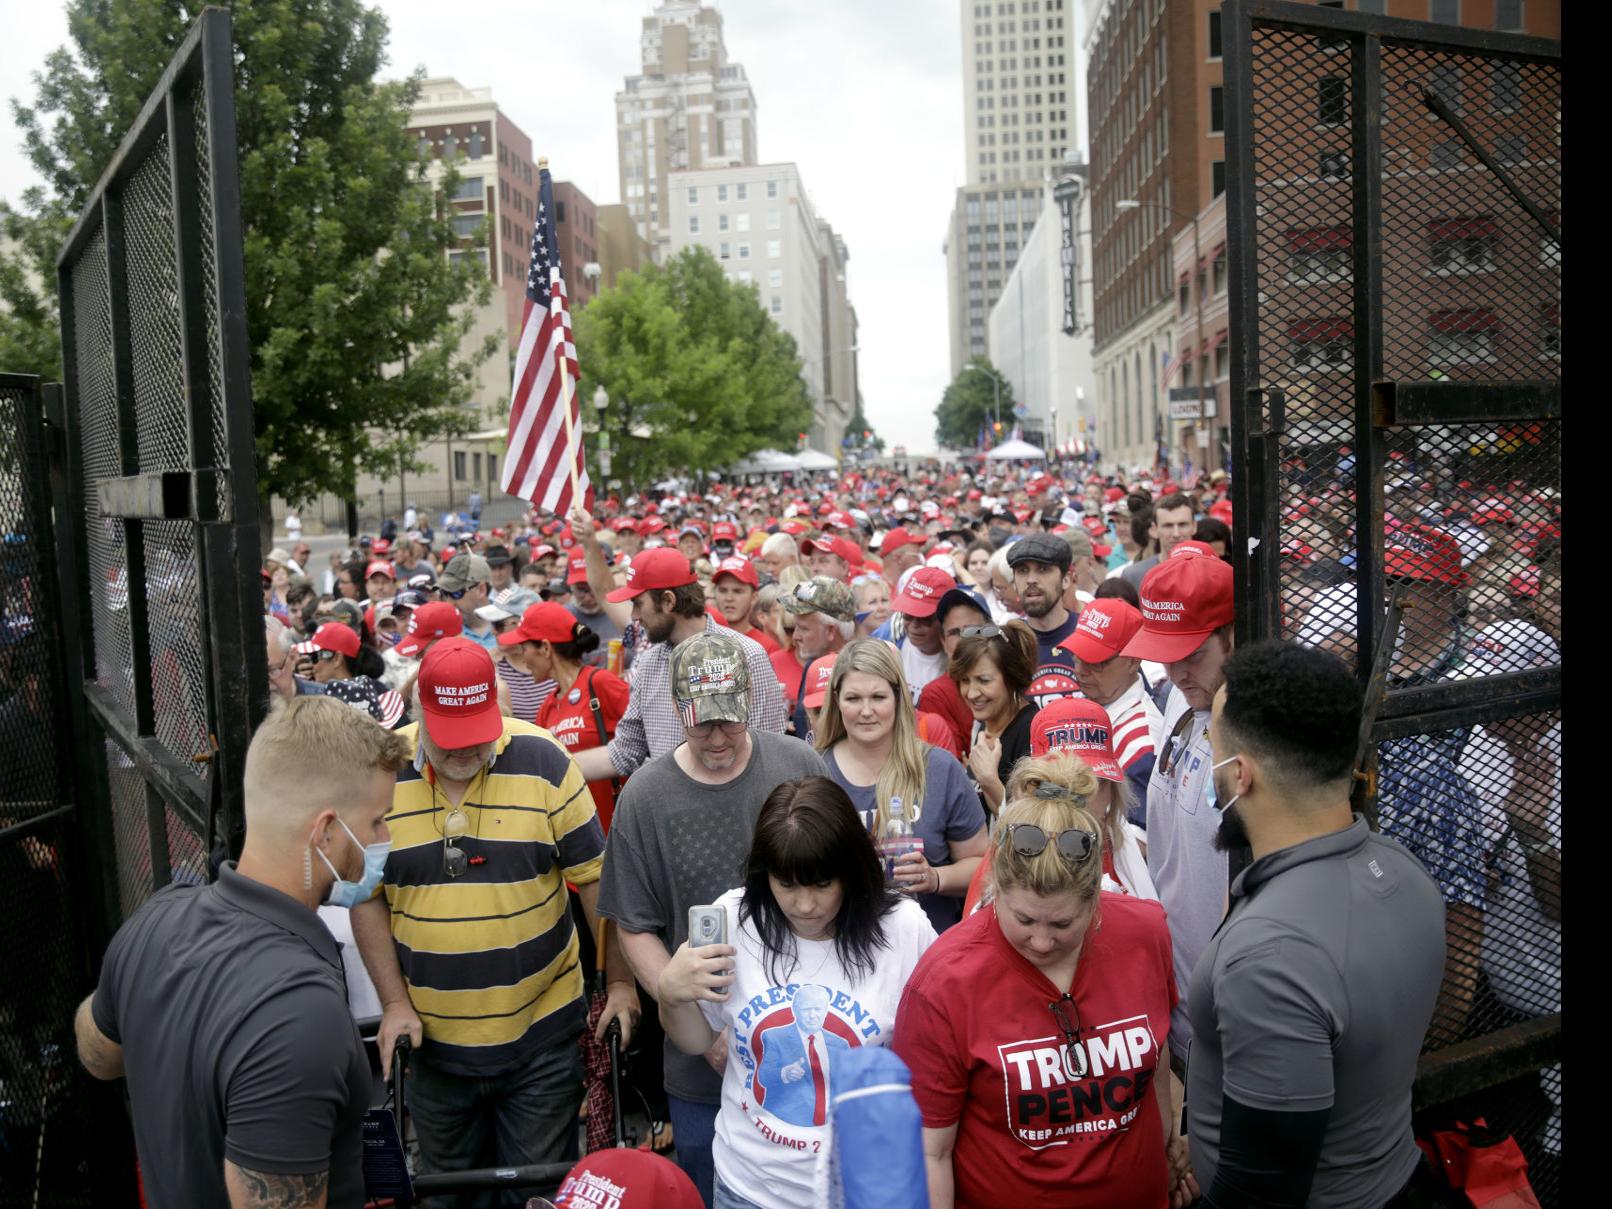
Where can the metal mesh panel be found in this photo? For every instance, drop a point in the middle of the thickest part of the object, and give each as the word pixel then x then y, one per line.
pixel 130 829
pixel 154 343
pixel 209 269
pixel 1471 284
pixel 99 429
pixel 1304 275
pixel 178 646
pixel 187 859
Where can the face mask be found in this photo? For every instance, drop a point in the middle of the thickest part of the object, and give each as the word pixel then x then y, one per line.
pixel 349 894
pixel 1213 768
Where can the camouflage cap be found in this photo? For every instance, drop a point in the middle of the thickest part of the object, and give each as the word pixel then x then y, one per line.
pixel 711 679
pixel 820 594
pixel 462 571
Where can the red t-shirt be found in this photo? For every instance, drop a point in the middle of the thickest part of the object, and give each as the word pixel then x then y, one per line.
pixel 789 672
pixel 569 718
pixel 988 1055
pixel 940 696
pixel 933 729
pixel 762 639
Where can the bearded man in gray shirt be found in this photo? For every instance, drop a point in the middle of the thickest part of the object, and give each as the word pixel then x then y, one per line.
pixel 680 838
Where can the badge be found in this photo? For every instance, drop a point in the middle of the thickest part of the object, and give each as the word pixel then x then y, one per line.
pixel 575 696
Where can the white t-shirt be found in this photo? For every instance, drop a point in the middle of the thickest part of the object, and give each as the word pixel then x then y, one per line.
pixel 779 1077
pixel 920 669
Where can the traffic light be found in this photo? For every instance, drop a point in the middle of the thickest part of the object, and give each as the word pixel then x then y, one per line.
pixel 996 427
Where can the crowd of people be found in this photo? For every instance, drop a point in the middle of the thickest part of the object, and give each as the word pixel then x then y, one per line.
pixel 964 766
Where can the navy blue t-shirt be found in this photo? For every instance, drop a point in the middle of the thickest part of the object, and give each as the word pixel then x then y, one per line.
pixel 1055 666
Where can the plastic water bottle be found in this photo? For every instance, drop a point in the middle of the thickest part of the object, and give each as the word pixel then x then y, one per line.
pixel 898 838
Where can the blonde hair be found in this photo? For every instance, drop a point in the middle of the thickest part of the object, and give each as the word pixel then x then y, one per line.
pixel 314 753
pixel 1068 770
pixel 791 575
pixel 1048 873
pixel 903 774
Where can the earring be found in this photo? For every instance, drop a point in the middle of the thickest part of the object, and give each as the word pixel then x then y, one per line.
pixel 307 870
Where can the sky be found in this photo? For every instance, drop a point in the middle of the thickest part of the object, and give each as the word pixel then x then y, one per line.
pixel 865 97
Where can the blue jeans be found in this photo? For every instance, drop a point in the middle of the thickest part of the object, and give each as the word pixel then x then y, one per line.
pixel 693 1131
pixel 727 1198
pixel 513 1119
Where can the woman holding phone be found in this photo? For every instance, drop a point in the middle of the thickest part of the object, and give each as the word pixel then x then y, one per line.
pixel 818 953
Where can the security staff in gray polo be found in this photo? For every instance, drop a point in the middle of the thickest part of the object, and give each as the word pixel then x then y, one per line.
pixel 1309 1006
pixel 225 1005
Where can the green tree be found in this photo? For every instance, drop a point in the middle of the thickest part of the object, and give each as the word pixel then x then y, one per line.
pixel 860 430
pixel 971 403
pixel 694 365
pixel 355 312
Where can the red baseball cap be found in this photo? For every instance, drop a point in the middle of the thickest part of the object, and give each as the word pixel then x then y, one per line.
pixel 1040 484
pixel 458 691
pixel 1114 494
pixel 898 537
pixel 833 545
pixel 622 523
pixel 1413 551
pixel 921 596
pixel 1185 598
pixel 542 622
pixel 439 619
pixel 1191 547
pixel 627 1179
pixel 543 551
pixel 1106 626
pixel 1081 727
pixel 840 520
pixel 380 546
pixel 332 636
pixel 1493 512
pixel 653 525
pixel 576 567
pixel 724 531
pixel 818 674
pixel 794 527
pixel 380 567
pixel 653 570
pixel 742 569
pixel 1221 510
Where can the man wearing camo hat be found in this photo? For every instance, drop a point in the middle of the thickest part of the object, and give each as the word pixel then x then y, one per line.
pixel 680 838
pixel 825 620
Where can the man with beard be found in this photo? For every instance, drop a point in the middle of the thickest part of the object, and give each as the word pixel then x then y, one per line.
pixel 680 836
pixel 668 601
pixel 1310 1003
pixel 1040 565
pixel 1187 615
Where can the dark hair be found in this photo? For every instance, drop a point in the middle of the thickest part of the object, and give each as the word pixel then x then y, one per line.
pixel 1211 529
pixel 1120 587
pixel 583 641
pixel 688 600
pixel 369 662
pixel 809 832
pixel 1138 499
pixel 978 545
pixel 1172 501
pixel 356 570
pixel 299 594
pixel 1295 706
pixel 1014 653
pixel 1141 522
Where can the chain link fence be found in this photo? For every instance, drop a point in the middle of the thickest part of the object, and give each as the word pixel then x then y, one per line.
pixel 1396 301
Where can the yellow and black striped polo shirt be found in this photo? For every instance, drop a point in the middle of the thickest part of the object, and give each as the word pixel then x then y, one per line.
pixel 490 957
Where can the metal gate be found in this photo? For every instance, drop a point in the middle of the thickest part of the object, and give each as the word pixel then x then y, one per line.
pixel 1394 217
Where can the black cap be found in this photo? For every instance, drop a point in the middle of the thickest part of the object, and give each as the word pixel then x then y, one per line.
pixel 1040 548
pixel 498 556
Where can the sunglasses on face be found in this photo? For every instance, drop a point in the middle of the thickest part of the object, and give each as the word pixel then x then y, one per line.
pixel 1075 844
pixel 447 595
pixel 979 631
pixel 326 656
pixel 705 729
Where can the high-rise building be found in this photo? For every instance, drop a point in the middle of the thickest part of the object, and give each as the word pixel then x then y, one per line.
pixel 621 247
pixel 688 109
pixel 576 232
pixel 1019 106
pixel 760 225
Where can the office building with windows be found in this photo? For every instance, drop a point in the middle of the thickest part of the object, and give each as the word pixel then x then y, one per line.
pixel 688 109
pixel 759 224
pixel 1019 116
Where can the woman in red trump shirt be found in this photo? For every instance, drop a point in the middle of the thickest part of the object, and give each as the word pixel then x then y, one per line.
pixel 1036 1030
pixel 587 702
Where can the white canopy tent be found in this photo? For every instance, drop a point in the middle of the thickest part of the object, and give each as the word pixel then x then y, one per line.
pixel 812 459
pixel 766 461
pixel 1015 451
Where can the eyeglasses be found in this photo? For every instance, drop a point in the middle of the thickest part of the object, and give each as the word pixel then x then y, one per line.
pixel 980 631
pixel 705 729
pixel 1075 844
pixel 1069 1022
pixel 326 656
pixel 443 592
pixel 454 828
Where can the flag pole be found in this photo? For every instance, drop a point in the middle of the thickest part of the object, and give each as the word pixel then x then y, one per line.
pixel 565 401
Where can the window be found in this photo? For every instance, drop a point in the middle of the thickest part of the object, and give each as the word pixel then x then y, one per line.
pixel 559 212
pixel 467 224
pixel 772 189
pixel 744 251
pixel 1461 337
pixel 693 196
pixel 741 222
pixel 460 464
pixel 1508 14
pixel 1506 86
pixel 721 222
pixel 1218 267
pixel 775 249
pixel 1320 344
pixel 1184 295
pixel 476 145
pixel 1214 34
pixel 469 189
pixel 1222 359
pixel 424 147
pixel 1217 109
pixel 723 252
pixel 450 145
pixel 775 278
pixel 1332 101
pixel 776 305
pixel 722 193
pixel 1447 11
pixel 1318 254
pixel 743 277
pixel 693 224
pixel 1375 7
pixel 741 191
pixel 1217 178
pixel 773 222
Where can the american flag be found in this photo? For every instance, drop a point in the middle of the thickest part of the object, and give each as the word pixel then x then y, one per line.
pixel 538 462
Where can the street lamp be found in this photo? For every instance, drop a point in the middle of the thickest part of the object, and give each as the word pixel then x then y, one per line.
pixel 601 400
pixel 1130 203
pixel 592 271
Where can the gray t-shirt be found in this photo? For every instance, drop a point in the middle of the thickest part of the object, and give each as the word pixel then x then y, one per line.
pixel 1316 994
pixel 676 843
pixel 601 625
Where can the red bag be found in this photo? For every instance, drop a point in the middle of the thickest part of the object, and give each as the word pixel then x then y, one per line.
pixel 1484 1166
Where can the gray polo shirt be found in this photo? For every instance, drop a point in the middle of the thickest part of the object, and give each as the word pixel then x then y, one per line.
pixel 1315 994
pixel 231 1006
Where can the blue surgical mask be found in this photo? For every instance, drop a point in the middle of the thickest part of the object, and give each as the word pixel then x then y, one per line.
pixel 349 894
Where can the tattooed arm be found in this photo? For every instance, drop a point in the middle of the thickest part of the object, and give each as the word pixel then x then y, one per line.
pixel 272 1190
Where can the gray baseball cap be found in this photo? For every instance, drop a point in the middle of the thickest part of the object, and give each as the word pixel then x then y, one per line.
pixel 463 571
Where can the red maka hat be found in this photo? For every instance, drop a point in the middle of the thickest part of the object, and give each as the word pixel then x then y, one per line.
pixel 652 571
pixel 1080 727
pixel 380 567
pixel 742 569
pixel 921 596
pixel 627 1179
pixel 576 567
pixel 1413 551
pixel 332 636
pixel 542 622
pixel 898 537
pixel 439 619
pixel 1185 598
pixel 818 674
pixel 458 691
pixel 1106 626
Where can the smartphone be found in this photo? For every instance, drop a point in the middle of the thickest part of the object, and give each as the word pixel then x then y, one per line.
pixel 707 926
